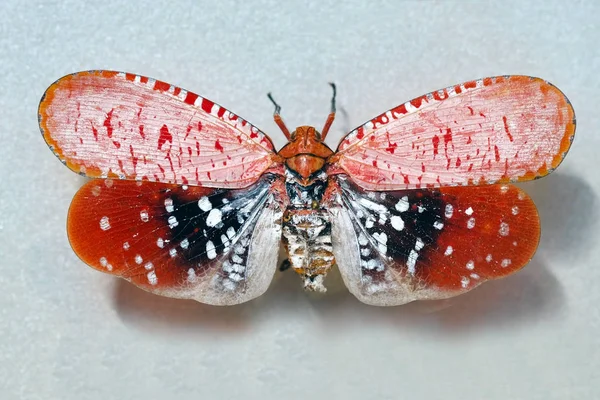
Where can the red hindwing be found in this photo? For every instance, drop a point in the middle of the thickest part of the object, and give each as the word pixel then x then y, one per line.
pixel 213 245
pixel 399 246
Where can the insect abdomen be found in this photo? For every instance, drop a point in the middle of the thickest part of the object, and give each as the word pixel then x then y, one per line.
pixel 307 237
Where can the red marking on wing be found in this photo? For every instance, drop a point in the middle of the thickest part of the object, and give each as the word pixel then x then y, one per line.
pixel 504 121
pixel 161 86
pixel 165 136
pixel 207 105
pixel 512 128
pixel 134 159
pixel 436 142
pixel 107 125
pixel 109 108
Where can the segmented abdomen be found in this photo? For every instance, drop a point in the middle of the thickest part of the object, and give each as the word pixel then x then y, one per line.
pixel 307 236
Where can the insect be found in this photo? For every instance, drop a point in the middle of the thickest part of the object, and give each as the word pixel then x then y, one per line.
pixel 191 201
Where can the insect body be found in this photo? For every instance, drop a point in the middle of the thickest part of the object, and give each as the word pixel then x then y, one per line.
pixel 191 201
pixel 306 223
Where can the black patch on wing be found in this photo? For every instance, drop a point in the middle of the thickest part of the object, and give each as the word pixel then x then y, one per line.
pixel 216 228
pixel 397 225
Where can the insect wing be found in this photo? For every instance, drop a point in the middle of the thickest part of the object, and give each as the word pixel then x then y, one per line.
pixel 216 246
pixel 396 247
pixel 110 124
pixel 493 130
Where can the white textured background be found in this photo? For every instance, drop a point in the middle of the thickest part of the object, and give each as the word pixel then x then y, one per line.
pixel 68 332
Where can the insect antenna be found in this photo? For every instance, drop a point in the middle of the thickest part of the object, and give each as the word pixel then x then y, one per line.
pixel 277 117
pixel 331 115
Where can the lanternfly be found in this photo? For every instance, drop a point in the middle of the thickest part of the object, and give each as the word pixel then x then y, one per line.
pixel 191 201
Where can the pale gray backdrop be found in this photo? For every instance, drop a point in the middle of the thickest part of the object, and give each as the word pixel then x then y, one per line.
pixel 68 332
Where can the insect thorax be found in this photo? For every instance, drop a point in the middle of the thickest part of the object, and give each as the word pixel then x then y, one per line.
pixel 307 230
pixel 305 195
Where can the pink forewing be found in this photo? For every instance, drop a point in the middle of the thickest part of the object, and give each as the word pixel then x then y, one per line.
pixel 109 124
pixel 487 131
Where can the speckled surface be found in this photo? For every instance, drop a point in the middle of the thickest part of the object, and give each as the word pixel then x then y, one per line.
pixel 70 332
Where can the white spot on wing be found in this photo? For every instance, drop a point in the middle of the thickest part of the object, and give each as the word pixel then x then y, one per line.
pixel 402 204
pixel 210 250
pixel 470 264
pixel 229 285
pixel 96 191
pixel 214 217
pixel 225 240
pixel 381 239
pixel 152 279
pixel 169 205
pixel 471 223
pixel 448 251
pixel 362 239
pixel 464 281
pixel 419 244
pixel 204 203
pixel 449 211
pixel 397 222
pixel 144 216
pixel 412 261
pixel 138 259
pixel 378 208
pixel 230 232
pixel 104 223
pixel 506 262
pixel 191 275
pixel 239 249
pixel 504 229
